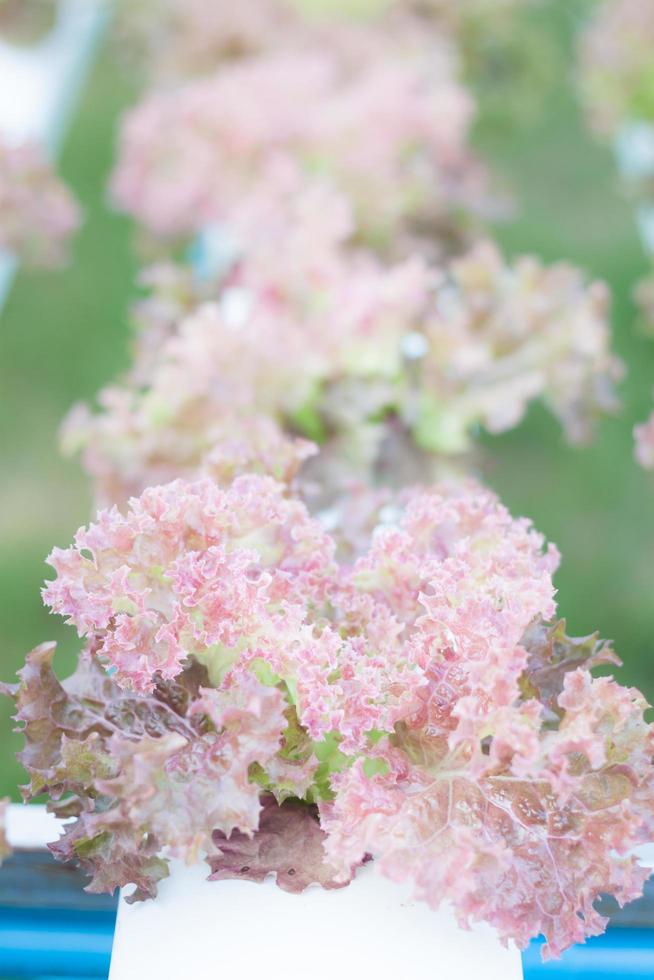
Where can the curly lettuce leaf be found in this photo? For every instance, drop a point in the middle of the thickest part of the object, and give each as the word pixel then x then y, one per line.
pixel 52 714
pixel 552 654
pixel 292 772
pixel 142 772
pixel 527 844
pixel 113 853
pixel 288 845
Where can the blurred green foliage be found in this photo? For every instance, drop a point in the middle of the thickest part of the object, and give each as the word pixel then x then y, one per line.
pixel 594 502
pixel 63 335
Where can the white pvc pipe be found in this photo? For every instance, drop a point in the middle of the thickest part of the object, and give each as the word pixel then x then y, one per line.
pixel 31 827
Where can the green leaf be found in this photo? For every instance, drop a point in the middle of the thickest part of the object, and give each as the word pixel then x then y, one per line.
pixel 438 430
pixel 375 767
pixel 264 673
pixel 308 422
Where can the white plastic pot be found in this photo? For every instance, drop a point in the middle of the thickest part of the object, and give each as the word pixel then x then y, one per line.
pixel 237 929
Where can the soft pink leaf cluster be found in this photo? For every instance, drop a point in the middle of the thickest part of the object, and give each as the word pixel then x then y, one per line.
pixel 208 392
pixel 509 333
pixel 616 64
pixel 383 116
pixel 204 783
pixel 413 673
pixel 177 39
pixel 38 214
pixel 241 574
pixel 526 841
pixel 191 570
pixel 369 350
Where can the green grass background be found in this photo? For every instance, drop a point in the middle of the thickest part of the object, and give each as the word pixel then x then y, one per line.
pixel 63 335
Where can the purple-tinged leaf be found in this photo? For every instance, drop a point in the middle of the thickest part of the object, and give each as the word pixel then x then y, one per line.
pixel 552 654
pixel 288 845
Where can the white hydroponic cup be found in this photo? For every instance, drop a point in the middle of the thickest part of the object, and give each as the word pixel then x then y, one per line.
pixel 238 929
